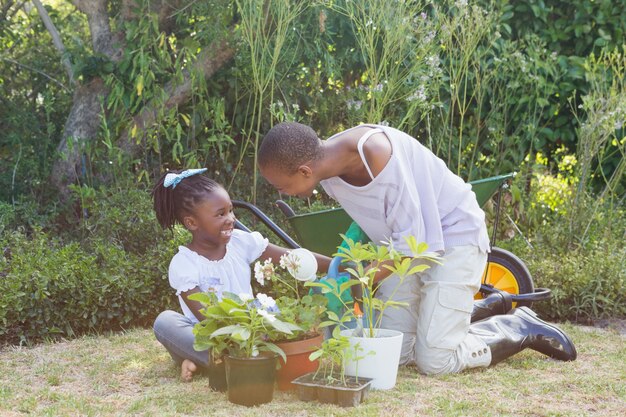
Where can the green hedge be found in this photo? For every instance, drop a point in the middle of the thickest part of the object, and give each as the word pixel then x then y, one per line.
pixel 109 273
pixel 50 289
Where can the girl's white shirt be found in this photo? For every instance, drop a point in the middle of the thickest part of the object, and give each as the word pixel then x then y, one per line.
pixel 232 273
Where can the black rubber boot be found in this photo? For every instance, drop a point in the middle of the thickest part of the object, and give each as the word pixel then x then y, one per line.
pixel 498 302
pixel 511 333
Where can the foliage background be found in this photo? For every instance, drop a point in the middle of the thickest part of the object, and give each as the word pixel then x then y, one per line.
pixel 533 86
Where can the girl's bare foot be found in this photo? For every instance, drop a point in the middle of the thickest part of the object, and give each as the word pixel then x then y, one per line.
pixel 187 369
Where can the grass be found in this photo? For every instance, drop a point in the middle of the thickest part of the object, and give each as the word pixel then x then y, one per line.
pixel 131 374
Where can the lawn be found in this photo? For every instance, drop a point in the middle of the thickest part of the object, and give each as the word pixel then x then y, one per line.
pixel 130 374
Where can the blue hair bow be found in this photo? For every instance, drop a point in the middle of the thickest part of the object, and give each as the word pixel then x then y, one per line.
pixel 172 179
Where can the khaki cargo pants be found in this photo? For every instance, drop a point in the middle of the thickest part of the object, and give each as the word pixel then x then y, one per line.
pixel 437 319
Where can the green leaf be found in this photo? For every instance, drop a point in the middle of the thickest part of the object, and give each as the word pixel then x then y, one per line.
pixel 227 330
pixel 273 348
pixel 315 355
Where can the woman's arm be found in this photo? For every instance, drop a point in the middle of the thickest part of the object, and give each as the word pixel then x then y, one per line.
pixel 275 252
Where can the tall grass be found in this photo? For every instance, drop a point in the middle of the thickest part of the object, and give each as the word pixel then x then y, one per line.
pixel 601 137
pixel 265 28
pixel 398 46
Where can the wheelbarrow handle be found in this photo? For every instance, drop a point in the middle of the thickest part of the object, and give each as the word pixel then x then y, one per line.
pixel 540 294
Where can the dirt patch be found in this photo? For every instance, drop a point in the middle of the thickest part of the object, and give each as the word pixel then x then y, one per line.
pixel 619 325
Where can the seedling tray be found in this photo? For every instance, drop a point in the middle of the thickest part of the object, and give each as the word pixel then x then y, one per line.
pixel 333 393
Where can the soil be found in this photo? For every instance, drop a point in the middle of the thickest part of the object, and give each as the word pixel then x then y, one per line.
pixel 619 325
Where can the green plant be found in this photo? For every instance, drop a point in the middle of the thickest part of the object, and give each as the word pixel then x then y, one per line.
pixel 307 312
pixel 332 355
pixel 369 259
pixel 398 50
pixel 295 306
pixel 265 28
pixel 238 325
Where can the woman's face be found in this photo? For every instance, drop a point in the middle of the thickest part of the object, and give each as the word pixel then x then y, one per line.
pixel 300 184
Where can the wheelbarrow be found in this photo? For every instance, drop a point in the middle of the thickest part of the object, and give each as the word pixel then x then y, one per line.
pixel 320 232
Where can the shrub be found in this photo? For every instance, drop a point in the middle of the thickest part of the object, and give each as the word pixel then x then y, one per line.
pixel 49 288
pixel 122 215
pixel 586 283
pixel 584 265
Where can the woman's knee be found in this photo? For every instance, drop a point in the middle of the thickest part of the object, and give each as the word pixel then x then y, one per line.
pixel 436 361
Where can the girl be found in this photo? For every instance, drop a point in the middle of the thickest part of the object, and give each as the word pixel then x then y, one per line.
pixel 217 259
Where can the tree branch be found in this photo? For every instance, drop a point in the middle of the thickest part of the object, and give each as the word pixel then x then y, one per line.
pixel 210 60
pixel 19 64
pixel 98 19
pixel 165 10
pixel 56 38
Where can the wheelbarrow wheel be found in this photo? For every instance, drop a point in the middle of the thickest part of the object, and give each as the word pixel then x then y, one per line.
pixel 507 272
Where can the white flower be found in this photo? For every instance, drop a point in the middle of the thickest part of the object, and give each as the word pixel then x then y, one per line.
pixel 268 316
pixel 290 262
pixel 354 104
pixel 258 273
pixel 419 95
pixel 266 301
pixel 245 297
pixel 263 271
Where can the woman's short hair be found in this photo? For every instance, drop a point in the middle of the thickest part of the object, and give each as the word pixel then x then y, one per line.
pixel 288 145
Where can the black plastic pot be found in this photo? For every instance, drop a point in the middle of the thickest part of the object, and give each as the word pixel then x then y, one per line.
pixel 344 396
pixel 217 376
pixel 250 380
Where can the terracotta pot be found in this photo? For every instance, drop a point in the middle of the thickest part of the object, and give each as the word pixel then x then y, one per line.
pixel 298 362
pixel 250 380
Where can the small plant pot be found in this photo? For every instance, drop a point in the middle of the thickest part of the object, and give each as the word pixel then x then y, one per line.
pixel 250 380
pixel 298 362
pixel 349 395
pixel 217 376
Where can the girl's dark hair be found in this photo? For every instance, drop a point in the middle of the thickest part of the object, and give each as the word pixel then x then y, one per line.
pixel 173 204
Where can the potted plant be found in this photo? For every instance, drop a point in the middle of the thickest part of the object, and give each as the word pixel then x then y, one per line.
pixel 298 307
pixel 236 327
pixel 386 344
pixel 330 384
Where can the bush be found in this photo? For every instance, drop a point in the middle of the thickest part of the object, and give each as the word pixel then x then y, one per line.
pixel 49 288
pixel 586 284
pixel 122 215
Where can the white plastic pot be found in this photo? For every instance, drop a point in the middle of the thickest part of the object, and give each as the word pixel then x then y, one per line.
pixel 382 364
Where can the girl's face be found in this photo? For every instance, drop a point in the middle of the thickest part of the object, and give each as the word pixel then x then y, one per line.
pixel 213 219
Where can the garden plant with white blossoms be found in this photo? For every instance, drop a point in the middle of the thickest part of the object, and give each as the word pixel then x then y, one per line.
pixel 238 324
pixel 299 263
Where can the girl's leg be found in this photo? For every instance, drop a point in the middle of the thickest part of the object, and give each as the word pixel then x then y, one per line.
pixel 175 332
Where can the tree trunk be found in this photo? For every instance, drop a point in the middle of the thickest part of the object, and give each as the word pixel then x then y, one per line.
pixel 80 128
pixel 82 124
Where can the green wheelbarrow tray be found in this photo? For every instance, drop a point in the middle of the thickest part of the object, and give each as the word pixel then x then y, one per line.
pixel 319 231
